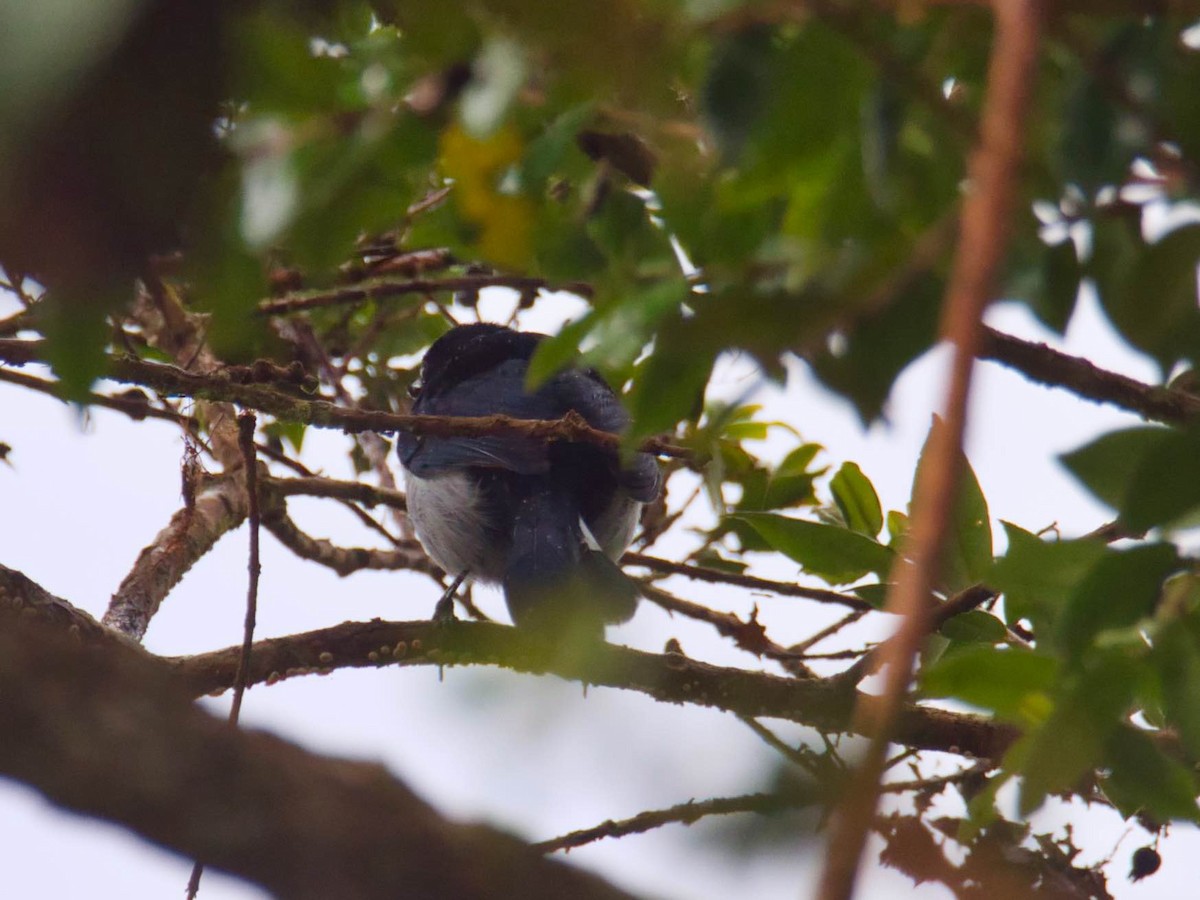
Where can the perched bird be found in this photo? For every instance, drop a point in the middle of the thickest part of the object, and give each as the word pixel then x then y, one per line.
pixel 545 520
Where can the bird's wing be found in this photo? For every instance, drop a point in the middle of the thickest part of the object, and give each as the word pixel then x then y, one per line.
pixel 587 393
pixel 500 390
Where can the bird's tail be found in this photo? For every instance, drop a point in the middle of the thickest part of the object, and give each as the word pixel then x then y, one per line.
pixel 557 579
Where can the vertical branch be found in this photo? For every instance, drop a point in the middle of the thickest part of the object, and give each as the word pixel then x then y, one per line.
pixel 218 507
pixel 994 173
pixel 246 425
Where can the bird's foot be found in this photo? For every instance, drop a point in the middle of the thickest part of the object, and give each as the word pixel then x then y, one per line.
pixel 443 612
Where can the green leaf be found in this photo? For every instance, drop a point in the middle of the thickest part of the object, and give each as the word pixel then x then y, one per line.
pixel 1118 591
pixel 875 594
pixel 897 527
pixel 1107 465
pixel 1014 683
pixel 1177 660
pixel 967 550
pixel 1061 274
pixel 669 385
pixel 975 626
pixel 736 88
pixel 1127 271
pixel 1038 576
pixel 75 331
pixel 881 345
pixel 546 154
pixel 1143 778
pixel 557 352
pixel 835 554
pixel 1072 739
pixel 292 432
pixel 1166 485
pixel 856 498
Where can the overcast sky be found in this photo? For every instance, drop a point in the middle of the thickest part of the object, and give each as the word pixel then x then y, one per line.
pixel 82 497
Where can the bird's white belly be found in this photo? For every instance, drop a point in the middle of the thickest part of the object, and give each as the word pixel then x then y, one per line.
pixel 448 515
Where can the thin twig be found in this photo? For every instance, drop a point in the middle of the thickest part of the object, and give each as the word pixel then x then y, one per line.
pixel 749 635
pixel 386 288
pixel 345 560
pixel 717 576
pixel 246 427
pixel 987 212
pixel 808 643
pixel 772 740
pixel 684 813
pixel 319 486
pixel 134 404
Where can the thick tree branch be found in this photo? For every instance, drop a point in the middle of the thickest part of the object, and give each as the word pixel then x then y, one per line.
pixel 111 735
pixel 668 677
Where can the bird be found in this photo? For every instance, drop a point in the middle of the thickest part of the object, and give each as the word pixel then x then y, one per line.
pixel 545 520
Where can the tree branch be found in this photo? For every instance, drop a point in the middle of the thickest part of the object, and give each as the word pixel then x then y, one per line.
pixel 994 172
pixel 172 381
pixel 111 735
pixel 386 288
pixel 220 506
pixel 716 576
pixel 668 677
pixel 683 813
pixel 319 486
pixel 343 560
pixel 1053 368
pixel 134 404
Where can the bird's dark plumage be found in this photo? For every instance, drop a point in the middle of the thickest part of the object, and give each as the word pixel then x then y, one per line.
pixel 544 519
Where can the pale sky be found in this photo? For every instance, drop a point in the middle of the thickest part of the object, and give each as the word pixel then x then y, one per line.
pixel 530 754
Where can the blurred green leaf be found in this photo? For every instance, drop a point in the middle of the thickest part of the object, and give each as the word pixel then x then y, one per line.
pixel 669 385
pixel 546 153
pixel 292 432
pixel 967 549
pixel 875 594
pixel 863 362
pixel 1148 474
pixel 1117 591
pixel 835 554
pixel 975 626
pixel 897 528
pixel 856 498
pixel 1061 272
pixel 1176 658
pixel 1013 682
pixel 1038 576
pixel 1108 464
pixel 1149 291
pixel 1072 739
pixel 1100 138
pixel 1142 778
